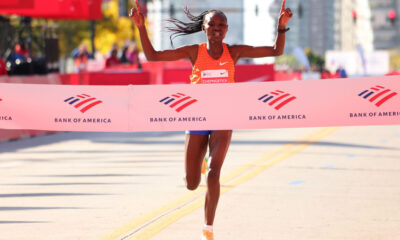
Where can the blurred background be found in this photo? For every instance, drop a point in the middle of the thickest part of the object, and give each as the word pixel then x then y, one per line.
pixel 328 39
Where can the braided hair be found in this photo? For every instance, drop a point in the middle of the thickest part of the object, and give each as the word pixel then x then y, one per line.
pixel 195 25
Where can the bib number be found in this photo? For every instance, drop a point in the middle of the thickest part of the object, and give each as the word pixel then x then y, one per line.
pixel 214 76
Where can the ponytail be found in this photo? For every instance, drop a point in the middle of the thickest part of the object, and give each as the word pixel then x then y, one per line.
pixel 183 28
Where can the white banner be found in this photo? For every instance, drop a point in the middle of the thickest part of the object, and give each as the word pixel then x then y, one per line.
pixel 314 103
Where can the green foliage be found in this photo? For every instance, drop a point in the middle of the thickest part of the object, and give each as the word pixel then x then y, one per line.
pixel 111 29
pixel 71 34
pixel 18 31
pixel 316 61
pixel 288 60
pixel 395 59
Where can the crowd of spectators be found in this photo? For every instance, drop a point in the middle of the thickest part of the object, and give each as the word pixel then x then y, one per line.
pixel 128 55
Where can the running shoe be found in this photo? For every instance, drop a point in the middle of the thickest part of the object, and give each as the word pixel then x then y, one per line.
pixel 204 166
pixel 207 235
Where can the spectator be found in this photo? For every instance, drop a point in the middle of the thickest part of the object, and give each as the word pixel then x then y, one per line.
pixel 18 62
pixel 113 59
pixel 18 54
pixel 124 56
pixel 81 57
pixel 341 72
pixel 325 74
pixel 22 50
pixel 133 55
pixel 3 70
pixel 114 46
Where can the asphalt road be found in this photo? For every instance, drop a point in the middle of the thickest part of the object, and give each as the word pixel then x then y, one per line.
pixel 301 184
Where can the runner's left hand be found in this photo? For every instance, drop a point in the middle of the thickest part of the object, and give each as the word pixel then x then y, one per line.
pixel 285 16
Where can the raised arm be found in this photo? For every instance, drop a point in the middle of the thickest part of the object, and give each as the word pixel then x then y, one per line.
pixel 149 51
pixel 245 51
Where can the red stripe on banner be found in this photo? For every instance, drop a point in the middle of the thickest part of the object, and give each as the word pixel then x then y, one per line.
pixel 379 86
pixel 83 102
pixel 279 91
pixel 285 102
pixel 177 96
pixel 181 94
pixel 186 105
pixel 85 95
pixel 385 99
pixel 90 106
pixel 274 93
pixel 279 98
pixel 176 103
pixel 80 96
pixel 378 95
pixel 376 89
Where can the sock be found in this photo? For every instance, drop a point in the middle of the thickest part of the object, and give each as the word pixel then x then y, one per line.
pixel 208 227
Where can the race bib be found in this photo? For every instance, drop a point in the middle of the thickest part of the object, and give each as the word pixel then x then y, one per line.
pixel 214 76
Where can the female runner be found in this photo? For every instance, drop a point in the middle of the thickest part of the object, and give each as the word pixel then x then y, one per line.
pixel 210 59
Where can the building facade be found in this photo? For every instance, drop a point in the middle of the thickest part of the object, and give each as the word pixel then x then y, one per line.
pixel 387 33
pixel 320 25
pixel 161 10
pixel 260 27
pixel 323 25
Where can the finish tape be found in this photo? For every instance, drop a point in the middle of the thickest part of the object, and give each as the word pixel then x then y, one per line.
pixel 294 104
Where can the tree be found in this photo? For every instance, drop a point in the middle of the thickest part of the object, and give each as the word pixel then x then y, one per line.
pixel 111 29
pixel 316 61
pixel 290 61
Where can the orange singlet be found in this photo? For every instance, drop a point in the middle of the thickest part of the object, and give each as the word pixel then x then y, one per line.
pixel 208 70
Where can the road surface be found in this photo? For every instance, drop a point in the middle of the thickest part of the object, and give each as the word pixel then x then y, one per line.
pixel 300 184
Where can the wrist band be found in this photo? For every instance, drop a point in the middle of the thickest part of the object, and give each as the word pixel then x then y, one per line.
pixel 283 30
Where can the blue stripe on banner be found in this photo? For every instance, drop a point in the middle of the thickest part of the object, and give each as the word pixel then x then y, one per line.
pixel 363 93
pixel 266 100
pixel 76 100
pixel 172 99
pixel 66 100
pixel 369 94
pixel 162 100
pixel 261 98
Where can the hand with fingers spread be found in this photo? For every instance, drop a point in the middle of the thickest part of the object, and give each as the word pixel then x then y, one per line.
pixel 137 15
pixel 285 16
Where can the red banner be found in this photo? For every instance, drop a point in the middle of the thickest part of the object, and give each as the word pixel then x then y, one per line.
pixel 10 3
pixel 60 9
pixel 243 73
